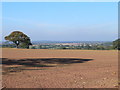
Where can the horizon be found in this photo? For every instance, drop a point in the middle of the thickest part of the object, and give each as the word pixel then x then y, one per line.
pixel 62 21
pixel 60 41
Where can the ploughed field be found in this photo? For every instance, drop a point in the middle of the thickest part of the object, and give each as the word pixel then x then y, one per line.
pixel 42 68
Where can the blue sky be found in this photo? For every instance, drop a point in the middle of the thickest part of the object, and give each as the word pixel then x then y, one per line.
pixel 64 21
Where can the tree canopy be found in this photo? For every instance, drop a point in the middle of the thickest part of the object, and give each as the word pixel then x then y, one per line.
pixel 19 38
pixel 116 44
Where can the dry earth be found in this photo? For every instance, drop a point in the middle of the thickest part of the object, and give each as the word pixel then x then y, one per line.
pixel 39 68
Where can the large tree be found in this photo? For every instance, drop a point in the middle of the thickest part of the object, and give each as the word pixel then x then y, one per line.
pixel 116 44
pixel 19 38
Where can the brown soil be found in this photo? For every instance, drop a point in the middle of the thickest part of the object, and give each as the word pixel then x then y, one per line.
pixel 37 68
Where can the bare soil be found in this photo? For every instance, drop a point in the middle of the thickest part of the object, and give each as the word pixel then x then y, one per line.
pixel 40 68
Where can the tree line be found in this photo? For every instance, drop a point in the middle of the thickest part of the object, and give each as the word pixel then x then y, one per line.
pixel 21 40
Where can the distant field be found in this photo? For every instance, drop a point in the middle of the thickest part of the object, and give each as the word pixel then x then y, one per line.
pixel 42 68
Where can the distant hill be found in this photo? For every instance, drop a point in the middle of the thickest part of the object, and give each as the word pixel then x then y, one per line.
pixel 45 41
pixel 86 42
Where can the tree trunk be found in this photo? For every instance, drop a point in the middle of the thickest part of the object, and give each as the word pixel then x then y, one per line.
pixel 17 43
pixel 28 47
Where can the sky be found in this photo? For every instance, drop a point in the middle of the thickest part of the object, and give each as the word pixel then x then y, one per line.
pixel 62 21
